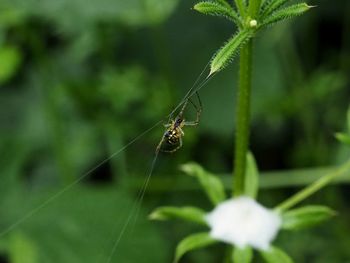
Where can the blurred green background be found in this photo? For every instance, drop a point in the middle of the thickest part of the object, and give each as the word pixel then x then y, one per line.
pixel 80 79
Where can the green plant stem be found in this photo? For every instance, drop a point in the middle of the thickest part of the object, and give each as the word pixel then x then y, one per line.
pixel 242 118
pixel 240 7
pixel 313 188
pixel 253 8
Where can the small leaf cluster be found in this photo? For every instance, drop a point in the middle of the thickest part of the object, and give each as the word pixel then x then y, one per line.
pixel 249 17
pixel 344 137
pixel 294 219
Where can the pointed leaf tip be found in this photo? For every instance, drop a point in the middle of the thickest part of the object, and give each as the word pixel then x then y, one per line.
pixel 286 13
pixel 306 217
pixel 251 184
pixel 225 55
pixel 193 242
pixel 210 183
pixel 187 213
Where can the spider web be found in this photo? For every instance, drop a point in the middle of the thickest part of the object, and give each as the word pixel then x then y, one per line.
pixel 134 211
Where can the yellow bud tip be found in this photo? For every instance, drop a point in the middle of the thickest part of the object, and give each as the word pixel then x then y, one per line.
pixel 253 23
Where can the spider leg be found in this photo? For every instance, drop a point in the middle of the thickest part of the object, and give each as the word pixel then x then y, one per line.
pixel 169 124
pixel 191 123
pixel 160 144
pixel 199 111
pixel 182 132
pixel 183 108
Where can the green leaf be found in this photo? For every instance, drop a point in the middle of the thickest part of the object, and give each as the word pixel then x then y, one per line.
pixel 224 3
pixel 211 184
pixel 343 138
pixel 270 6
pixel 226 54
pixel 251 184
pixel 242 255
pixel 10 59
pixel 285 13
pixel 348 119
pixel 275 255
pixel 193 242
pixel 306 217
pixel 188 213
pixel 216 9
pixel 22 249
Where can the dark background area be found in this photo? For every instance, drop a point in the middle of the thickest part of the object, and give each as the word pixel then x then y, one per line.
pixel 81 79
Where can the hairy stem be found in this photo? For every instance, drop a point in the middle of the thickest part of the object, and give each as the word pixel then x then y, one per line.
pixel 313 188
pixel 242 118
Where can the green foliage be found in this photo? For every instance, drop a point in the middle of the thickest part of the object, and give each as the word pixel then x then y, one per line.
pixel 348 119
pixel 272 5
pixel 22 249
pixel 224 3
pixel 69 15
pixel 216 9
pixel 87 77
pixel 192 242
pixel 275 255
pixel 212 185
pixel 156 11
pixel 87 217
pixel 251 183
pixel 72 100
pixel 306 217
pixel 231 48
pixel 192 214
pixel 242 255
pixel 313 187
pixel 345 137
pixel 10 60
pixel 249 20
pixel 286 13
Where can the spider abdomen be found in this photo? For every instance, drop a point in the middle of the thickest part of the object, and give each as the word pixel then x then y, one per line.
pixel 172 136
pixel 174 133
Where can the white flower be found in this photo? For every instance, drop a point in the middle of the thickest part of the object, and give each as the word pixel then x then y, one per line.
pixel 242 221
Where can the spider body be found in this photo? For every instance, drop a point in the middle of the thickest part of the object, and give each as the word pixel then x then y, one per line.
pixel 174 132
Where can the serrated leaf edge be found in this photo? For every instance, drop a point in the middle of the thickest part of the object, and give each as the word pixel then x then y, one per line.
pixel 232 46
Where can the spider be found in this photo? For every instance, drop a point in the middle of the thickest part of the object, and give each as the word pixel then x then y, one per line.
pixel 173 134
